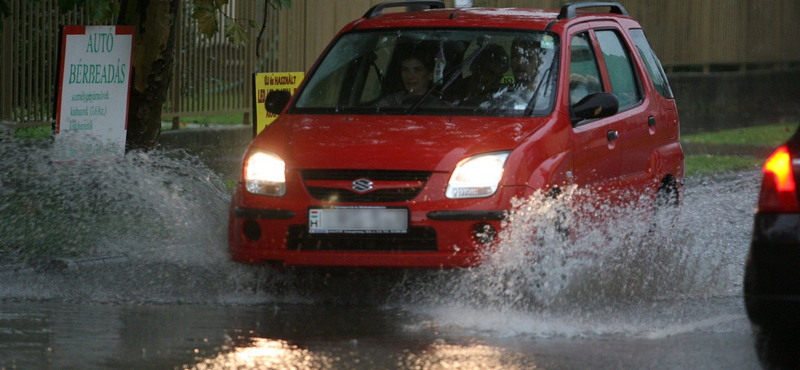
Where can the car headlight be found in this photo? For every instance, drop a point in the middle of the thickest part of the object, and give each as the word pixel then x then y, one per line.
pixel 477 176
pixel 264 174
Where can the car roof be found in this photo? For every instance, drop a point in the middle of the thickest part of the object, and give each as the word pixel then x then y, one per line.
pixel 464 17
pixel 508 18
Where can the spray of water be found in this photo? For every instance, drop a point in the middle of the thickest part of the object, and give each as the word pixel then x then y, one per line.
pixel 149 227
pixel 564 265
pixel 152 227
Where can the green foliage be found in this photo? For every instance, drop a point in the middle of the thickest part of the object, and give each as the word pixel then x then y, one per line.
pixel 236 33
pixel 206 20
pixel 99 10
pixel 236 30
pixel 205 13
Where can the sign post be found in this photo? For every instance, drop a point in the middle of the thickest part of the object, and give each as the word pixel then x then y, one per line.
pixel 93 92
pixel 263 83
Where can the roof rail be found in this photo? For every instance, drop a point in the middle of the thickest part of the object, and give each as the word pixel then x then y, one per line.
pixel 378 9
pixel 570 10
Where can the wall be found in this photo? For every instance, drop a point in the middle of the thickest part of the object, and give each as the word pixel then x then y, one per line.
pixel 711 102
pixel 309 25
pixel 707 32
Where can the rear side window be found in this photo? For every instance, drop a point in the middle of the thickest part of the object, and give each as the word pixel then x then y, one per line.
pixel 620 69
pixel 654 68
pixel 584 73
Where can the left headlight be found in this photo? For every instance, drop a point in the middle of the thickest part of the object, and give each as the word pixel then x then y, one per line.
pixel 477 176
pixel 265 174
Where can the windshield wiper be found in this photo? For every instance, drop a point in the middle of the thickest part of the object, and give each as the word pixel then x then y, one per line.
pixel 452 77
pixel 532 103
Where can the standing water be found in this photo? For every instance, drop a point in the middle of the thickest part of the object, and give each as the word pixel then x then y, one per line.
pixel 152 228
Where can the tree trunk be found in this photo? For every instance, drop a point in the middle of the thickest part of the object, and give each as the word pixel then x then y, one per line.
pixel 153 58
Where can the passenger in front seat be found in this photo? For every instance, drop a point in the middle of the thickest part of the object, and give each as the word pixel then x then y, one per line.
pixel 487 69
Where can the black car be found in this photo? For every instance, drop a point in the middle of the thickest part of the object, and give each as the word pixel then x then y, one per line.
pixel 772 269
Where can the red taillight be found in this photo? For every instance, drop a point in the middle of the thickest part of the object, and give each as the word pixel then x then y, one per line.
pixel 778 190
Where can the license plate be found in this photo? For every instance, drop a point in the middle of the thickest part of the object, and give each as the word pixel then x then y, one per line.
pixel 364 220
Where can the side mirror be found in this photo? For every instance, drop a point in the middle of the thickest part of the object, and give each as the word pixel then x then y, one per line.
pixel 277 101
pixel 597 105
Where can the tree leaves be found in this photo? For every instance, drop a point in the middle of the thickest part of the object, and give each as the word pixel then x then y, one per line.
pixel 206 13
pixel 206 20
pixel 236 33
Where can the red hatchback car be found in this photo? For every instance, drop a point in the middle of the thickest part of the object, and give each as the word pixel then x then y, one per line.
pixel 415 130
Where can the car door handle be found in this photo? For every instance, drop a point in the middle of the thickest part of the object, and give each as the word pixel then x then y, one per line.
pixel 612 135
pixel 651 122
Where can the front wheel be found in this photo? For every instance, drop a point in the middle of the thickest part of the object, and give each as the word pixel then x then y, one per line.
pixel 667 203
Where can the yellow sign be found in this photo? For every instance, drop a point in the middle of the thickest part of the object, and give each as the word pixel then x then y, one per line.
pixel 263 83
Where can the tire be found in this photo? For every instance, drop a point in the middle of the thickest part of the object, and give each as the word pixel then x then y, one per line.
pixel 667 203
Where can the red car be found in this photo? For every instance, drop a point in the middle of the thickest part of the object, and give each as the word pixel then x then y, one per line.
pixel 413 132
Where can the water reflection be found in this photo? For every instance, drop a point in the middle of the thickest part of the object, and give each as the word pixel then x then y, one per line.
pixel 263 353
pixel 476 356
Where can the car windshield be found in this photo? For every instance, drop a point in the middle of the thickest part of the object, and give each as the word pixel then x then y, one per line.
pixel 435 72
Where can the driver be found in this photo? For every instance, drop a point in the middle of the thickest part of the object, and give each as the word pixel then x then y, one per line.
pixel 417 75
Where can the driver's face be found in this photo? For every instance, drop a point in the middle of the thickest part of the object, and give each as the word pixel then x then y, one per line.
pixel 415 76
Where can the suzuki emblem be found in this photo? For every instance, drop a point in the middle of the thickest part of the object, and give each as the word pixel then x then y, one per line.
pixel 362 185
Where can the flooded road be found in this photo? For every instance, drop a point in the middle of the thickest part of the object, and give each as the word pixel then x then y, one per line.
pixel 126 268
pixel 69 335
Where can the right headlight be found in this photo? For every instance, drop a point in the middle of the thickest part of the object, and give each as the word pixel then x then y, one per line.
pixel 477 176
pixel 265 174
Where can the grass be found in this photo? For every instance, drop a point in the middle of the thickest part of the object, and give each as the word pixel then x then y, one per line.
pixel 767 135
pixel 219 119
pixel 759 136
pixel 34 132
pixel 707 164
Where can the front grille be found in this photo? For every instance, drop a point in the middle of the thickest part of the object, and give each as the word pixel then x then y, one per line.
pixel 343 193
pixel 418 239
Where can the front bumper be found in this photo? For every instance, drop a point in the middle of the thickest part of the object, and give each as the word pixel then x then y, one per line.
pixel 441 234
pixel 772 271
pixel 280 237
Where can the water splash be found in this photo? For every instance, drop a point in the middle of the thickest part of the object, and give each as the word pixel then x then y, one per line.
pixel 52 210
pixel 152 227
pixel 608 269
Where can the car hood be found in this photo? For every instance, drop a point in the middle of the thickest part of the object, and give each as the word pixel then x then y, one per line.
pixel 426 143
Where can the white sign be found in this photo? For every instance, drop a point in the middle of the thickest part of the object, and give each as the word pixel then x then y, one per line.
pixel 92 105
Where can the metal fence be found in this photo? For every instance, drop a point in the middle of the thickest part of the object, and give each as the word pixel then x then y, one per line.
pixel 28 48
pixel 709 34
pixel 211 76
